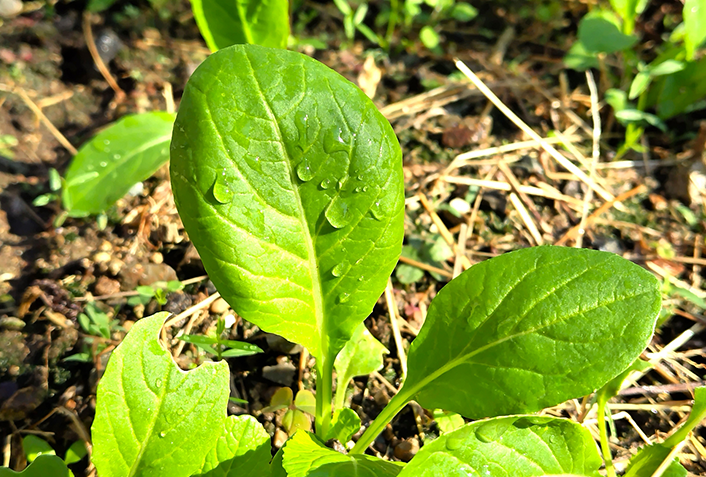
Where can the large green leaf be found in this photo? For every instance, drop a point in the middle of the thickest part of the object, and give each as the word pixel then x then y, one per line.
pixel 304 456
pixel 45 465
pixel 260 22
pixel 530 329
pixel 517 446
pixel 289 182
pixel 152 419
pixel 126 152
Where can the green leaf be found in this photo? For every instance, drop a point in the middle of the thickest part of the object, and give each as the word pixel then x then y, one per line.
pixel 239 348
pixel 405 273
pixel 145 290
pixel 96 6
pixel 617 99
pixel 447 421
pixel 224 23
pixel 613 386
pixel 628 10
pixel 293 194
pixel 463 12
pixel 429 37
pixel 54 180
pixel 580 59
pixel 694 14
pixel 35 446
pixel 639 84
pixel 520 446
pixel 345 423
pixel 127 152
pixel 44 466
pixel 667 67
pixel 153 419
pixel 75 452
pixel 628 116
pixel 678 91
pixel 599 32
pixel 304 456
pixel 362 355
pixel 294 420
pixel 305 401
pixel 242 450
pixel 530 329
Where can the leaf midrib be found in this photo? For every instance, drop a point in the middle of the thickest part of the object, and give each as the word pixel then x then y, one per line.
pixel 316 291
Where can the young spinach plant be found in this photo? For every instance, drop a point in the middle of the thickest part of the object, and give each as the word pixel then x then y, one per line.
pixel 289 182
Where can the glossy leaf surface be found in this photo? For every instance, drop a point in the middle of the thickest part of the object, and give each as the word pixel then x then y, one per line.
pixel 107 166
pixel 517 446
pixel 45 465
pixel 289 182
pixel 694 14
pixel 304 456
pixel 530 329
pixel 345 423
pixel 152 419
pixel 599 32
pixel 258 22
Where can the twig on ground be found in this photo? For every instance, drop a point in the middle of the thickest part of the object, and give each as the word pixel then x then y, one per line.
pixel 568 165
pixel 596 154
pixel 91 45
pixel 394 314
pixel 134 292
pixel 443 230
pixel 424 266
pixel 460 250
pixel 199 306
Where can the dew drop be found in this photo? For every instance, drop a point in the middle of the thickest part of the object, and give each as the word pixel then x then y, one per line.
pixel 360 178
pixel 162 434
pixel 334 142
pixel 341 269
pixel 304 171
pixel 104 164
pixel 361 278
pixel 338 213
pixel 454 443
pixel 365 188
pixel 301 120
pixel 180 411
pixel 222 189
pixel 158 383
pixel 106 141
pixel 117 156
pixel 344 297
pixel 491 431
pixel 326 183
pixel 356 190
pixel 376 212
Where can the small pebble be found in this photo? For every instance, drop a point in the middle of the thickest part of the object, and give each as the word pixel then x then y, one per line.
pixel 407 449
pixel 460 205
pixel 157 258
pixel 10 8
pixel 11 323
pixel 101 257
pixel 106 286
pixel 219 306
pixel 105 246
pixel 282 373
pixel 280 438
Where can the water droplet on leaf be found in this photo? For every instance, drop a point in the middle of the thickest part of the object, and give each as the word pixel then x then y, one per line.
pixel 304 171
pixel 454 443
pixel 341 269
pixel 301 120
pixel 338 213
pixel 326 183
pixel 162 434
pixel 334 142
pixel 104 164
pixel 344 297
pixel 117 156
pixel 222 189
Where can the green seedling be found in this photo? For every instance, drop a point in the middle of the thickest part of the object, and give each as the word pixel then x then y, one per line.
pixel 671 84
pixel 157 290
pixel 259 22
pixel 353 20
pixel 7 144
pixel 43 461
pixel 94 322
pixel 220 347
pixel 293 195
pixel 298 410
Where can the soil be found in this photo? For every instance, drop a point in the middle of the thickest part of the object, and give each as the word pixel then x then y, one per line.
pixel 49 274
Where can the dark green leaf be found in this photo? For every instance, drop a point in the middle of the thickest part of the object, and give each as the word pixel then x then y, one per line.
pixel 678 91
pixel 517 446
pixel 44 466
pixel 127 152
pixel 96 6
pixel 463 12
pixel 304 456
pixel 153 419
pixel 293 194
pixel 406 273
pixel 599 32
pixel 530 329
pixel 224 23
pixel 694 14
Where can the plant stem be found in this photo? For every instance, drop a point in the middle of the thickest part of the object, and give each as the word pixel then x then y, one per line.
pixel 392 22
pixel 340 397
pixel 324 379
pixel 395 405
pixel 605 448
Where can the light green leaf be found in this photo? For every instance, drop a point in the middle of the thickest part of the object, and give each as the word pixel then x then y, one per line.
pixel 627 116
pixel 667 67
pixel 628 10
pixel 447 421
pixel 294 420
pixel 260 22
pixel 694 14
pixel 293 194
pixel 649 458
pixel 242 450
pixel 520 446
pixel 599 32
pixel 128 151
pixel 305 401
pixel 617 99
pixel 152 419
pixel 678 91
pixel 35 446
pixel 345 423
pixel 530 329
pixel 463 12
pixel 45 465
pixel 639 84
pixel 429 37
pixel 362 355
pixel 75 452
pixel 304 456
